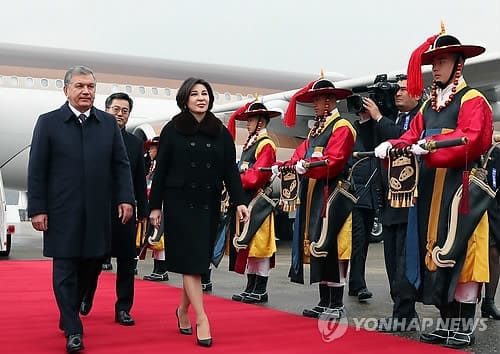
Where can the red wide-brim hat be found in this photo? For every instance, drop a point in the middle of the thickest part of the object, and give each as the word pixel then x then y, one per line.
pixel 446 43
pixel 323 87
pixel 151 142
pixel 257 112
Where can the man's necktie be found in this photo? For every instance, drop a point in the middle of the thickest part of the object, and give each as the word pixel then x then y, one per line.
pixel 81 118
pixel 401 117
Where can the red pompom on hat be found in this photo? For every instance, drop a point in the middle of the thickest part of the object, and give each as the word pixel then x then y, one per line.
pixel 291 111
pixel 231 123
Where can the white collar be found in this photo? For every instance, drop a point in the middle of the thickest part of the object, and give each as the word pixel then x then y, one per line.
pixel 444 94
pixel 77 113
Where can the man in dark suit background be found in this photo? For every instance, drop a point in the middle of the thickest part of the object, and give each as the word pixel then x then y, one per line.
pixel 395 220
pixel 77 158
pixel 123 241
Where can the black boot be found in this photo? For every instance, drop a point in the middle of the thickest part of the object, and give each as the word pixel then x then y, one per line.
pixel 159 271
pixel 335 309
pixel 206 283
pixel 489 310
pixel 324 302
pixel 463 336
pixel 249 288
pixel 259 293
pixel 441 334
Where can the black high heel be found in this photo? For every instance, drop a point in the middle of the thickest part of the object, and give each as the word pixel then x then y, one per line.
pixel 207 342
pixel 186 331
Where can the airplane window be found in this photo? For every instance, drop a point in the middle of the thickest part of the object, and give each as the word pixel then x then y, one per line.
pixel 167 91
pixel 44 83
pixel 29 82
pixel 227 96
pixel 128 88
pixel 142 90
pixel 216 95
pixel 114 88
pixel 14 81
pixel 250 96
pixel 239 96
pixel 59 84
pixel 154 90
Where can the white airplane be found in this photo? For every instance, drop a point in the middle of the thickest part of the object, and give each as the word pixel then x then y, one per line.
pixel 31 84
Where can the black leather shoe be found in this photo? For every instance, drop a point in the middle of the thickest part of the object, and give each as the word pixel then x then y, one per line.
pixel 188 331
pixel 85 307
pixel 489 310
pixel 124 318
pixel 204 342
pixel 207 342
pixel 107 266
pixel 438 336
pixel 364 294
pixel 74 343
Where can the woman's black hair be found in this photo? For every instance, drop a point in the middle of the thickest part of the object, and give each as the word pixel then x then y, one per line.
pixel 185 90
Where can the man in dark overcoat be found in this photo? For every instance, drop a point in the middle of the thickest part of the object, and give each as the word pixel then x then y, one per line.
pixel 77 159
pixel 123 241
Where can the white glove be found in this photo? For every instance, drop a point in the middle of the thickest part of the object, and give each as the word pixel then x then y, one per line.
pixel 381 150
pixel 275 170
pixel 417 150
pixel 299 167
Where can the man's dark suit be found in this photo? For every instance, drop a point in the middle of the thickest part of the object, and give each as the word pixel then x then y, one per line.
pixel 123 235
pixel 72 171
pixel 395 221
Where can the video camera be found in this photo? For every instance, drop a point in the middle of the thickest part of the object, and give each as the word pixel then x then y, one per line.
pixel 382 92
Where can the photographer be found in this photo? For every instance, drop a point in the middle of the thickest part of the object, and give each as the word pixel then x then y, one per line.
pixel 394 220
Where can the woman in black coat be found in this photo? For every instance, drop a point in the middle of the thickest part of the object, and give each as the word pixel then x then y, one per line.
pixel 196 154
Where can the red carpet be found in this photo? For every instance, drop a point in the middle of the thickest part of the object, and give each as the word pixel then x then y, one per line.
pixel 29 320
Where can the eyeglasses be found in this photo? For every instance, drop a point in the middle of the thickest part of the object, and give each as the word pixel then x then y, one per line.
pixel 117 109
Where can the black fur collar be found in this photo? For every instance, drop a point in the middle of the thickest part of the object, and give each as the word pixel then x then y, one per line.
pixel 186 124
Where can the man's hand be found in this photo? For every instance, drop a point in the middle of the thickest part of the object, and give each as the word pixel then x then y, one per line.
pixel 40 222
pixel 243 213
pixel 372 108
pixel 381 150
pixel 125 212
pixel 155 218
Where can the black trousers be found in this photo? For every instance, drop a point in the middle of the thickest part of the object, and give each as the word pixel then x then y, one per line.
pixel 362 223
pixel 125 276
pixel 70 279
pixel 403 294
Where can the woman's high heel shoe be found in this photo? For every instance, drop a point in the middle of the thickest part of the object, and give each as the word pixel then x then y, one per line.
pixel 207 342
pixel 188 331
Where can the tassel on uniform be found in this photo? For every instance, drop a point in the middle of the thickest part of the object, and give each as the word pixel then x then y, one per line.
pixel 415 81
pixel 291 111
pixel 231 123
pixel 463 207
pixel 325 200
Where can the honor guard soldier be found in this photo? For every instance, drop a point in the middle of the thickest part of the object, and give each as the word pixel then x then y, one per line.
pixel 447 238
pixel 256 244
pixel 330 140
